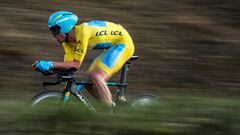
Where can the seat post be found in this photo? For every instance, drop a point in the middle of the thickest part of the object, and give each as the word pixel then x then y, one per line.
pixel 123 79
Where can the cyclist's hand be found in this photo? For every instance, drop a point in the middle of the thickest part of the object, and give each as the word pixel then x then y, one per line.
pixel 43 66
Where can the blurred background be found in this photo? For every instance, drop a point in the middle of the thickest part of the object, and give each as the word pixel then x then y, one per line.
pixel 186 47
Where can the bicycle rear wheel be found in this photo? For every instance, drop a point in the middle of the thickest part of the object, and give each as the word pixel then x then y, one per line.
pixel 145 102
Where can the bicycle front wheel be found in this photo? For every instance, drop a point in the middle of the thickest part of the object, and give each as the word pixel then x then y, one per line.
pixel 47 100
pixel 53 100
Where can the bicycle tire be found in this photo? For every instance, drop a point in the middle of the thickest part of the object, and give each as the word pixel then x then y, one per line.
pixel 44 95
pixel 56 102
pixel 145 101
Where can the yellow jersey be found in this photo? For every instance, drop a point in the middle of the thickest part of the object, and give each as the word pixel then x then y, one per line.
pixel 93 34
pixel 101 35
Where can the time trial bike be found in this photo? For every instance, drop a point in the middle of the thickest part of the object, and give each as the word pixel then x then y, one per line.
pixel 75 90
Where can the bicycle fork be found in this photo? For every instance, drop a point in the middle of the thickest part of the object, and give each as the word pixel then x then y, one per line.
pixel 67 91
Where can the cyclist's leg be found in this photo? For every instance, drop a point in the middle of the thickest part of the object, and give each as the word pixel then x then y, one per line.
pixel 106 65
pixel 92 88
pixel 100 90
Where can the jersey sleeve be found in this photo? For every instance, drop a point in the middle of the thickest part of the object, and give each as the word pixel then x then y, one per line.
pixel 82 38
pixel 69 52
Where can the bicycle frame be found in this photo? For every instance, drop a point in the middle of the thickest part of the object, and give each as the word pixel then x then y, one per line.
pixel 75 88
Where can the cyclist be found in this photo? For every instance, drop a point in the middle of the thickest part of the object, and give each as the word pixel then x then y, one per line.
pixel 78 39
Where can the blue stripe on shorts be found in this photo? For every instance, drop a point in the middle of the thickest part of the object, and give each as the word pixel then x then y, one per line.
pixel 112 54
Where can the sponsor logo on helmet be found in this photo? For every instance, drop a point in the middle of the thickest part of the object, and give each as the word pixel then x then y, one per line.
pixel 62 20
pixel 57 17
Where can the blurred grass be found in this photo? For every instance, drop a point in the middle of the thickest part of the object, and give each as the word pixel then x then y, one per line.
pixel 178 116
pixel 185 47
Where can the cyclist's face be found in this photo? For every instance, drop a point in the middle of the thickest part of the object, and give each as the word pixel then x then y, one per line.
pixel 55 30
pixel 60 37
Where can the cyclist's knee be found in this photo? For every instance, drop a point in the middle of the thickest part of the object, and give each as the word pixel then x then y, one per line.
pixel 98 75
pixel 93 76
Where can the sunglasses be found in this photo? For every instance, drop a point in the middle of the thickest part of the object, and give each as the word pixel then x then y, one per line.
pixel 55 30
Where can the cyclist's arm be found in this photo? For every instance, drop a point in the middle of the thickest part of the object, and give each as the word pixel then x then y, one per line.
pixel 69 52
pixel 69 62
pixel 71 65
pixel 82 38
pixel 73 60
